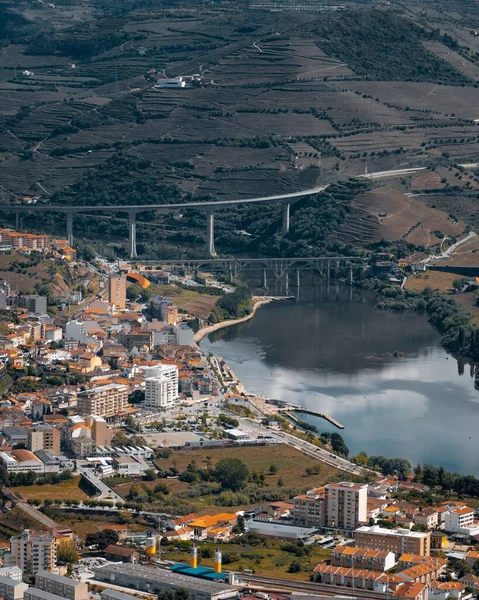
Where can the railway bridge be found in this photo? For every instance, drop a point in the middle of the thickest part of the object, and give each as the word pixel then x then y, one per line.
pixel 132 210
pixel 324 265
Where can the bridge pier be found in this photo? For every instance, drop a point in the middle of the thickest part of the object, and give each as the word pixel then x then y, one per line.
pixel 286 217
pixel 350 276
pixel 17 221
pixel 70 229
pixel 132 234
pixel 265 280
pixel 210 232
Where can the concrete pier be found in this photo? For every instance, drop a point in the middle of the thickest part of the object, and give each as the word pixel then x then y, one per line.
pixel 70 229
pixel 286 218
pixel 132 234
pixel 316 413
pixel 210 232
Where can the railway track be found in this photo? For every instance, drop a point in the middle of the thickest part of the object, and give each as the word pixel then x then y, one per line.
pixel 284 585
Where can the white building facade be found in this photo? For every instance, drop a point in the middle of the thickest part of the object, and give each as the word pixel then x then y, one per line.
pixel 161 386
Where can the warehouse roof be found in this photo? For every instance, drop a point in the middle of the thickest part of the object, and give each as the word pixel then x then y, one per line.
pixel 153 575
pixel 59 578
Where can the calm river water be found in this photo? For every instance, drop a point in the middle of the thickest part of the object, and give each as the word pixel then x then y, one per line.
pixel 383 375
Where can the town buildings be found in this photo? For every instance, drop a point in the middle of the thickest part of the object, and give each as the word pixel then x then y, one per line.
pixel 61 586
pixel 11 589
pixel 33 552
pixel 148 579
pixel 161 386
pixel 363 558
pixel 459 520
pixel 398 541
pixel 106 401
pixel 117 291
pixel 308 509
pixel 44 437
pixel 345 505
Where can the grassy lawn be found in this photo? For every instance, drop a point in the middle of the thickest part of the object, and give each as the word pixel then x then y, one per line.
pixel 267 560
pixel 66 490
pixel 183 497
pixel 291 463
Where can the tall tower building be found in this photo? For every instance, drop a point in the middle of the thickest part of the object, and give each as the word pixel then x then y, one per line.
pixel 346 505
pixel 117 291
pixel 33 552
pixel 161 386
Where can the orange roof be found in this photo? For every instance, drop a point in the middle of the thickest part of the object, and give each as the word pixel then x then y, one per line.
pixel 22 455
pixel 462 511
pixel 409 590
pixel 210 520
pixel 449 586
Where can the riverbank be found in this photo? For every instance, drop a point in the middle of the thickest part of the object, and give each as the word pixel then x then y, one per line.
pixel 259 301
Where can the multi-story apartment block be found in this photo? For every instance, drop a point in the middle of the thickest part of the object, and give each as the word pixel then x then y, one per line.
pixel 346 505
pixel 429 517
pixel 33 552
pixel 34 594
pixel 101 434
pixel 308 509
pixel 44 437
pixel 164 309
pixel 117 291
pixel 104 401
pixel 161 386
pixel 458 519
pixel 10 589
pixel 61 586
pixel 362 558
pixel 398 541
pixel 136 339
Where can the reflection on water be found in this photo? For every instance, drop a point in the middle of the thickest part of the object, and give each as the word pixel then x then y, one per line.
pixel 383 375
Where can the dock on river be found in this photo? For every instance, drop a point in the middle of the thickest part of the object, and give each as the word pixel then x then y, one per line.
pixel 316 413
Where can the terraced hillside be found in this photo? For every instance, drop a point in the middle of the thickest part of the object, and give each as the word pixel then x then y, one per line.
pixel 283 105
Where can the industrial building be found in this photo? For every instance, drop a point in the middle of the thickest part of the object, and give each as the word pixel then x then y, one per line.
pixel 155 581
pixel 61 586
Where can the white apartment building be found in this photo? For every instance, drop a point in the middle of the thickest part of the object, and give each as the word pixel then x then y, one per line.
pixel 103 401
pixel 458 519
pixel 33 552
pixel 161 386
pixel 346 505
pixel 75 330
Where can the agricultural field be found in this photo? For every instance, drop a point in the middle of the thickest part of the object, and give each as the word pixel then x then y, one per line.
pixel 284 105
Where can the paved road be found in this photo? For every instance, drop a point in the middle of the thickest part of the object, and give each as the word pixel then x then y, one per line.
pixel 106 493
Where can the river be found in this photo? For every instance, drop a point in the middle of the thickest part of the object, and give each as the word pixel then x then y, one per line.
pixel 383 375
